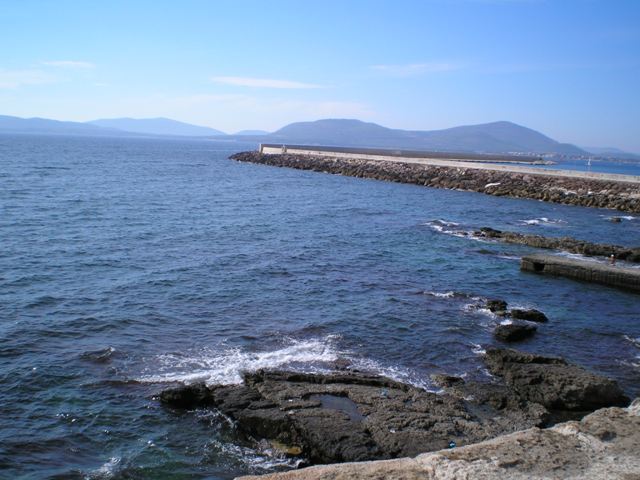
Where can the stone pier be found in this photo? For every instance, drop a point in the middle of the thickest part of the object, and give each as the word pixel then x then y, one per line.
pixel 585 270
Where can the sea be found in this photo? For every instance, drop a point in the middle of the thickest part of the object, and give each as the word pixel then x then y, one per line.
pixel 128 266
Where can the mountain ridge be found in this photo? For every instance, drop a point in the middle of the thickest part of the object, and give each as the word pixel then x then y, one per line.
pixel 156 126
pixel 493 137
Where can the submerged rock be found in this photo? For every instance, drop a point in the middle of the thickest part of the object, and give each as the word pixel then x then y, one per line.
pixel 514 331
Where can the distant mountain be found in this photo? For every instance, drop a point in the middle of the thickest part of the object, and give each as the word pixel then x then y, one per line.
pixel 255 133
pixel 52 127
pixel 157 126
pixel 611 152
pixel 496 137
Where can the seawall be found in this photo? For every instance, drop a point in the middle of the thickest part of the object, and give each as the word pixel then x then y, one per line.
pixel 586 271
pixel 620 192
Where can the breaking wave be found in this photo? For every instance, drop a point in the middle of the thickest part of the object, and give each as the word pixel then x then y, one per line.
pixel 542 221
pixel 225 366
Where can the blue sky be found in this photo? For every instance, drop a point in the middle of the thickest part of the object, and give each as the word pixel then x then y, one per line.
pixel 569 68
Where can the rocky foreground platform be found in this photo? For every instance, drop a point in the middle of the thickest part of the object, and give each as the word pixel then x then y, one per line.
pixel 603 445
pixel 572 190
pixel 353 416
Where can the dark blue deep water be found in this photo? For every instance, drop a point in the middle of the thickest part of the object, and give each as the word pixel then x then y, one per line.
pixel 126 264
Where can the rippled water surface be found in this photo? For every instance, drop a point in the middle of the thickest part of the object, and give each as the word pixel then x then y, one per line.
pixel 127 264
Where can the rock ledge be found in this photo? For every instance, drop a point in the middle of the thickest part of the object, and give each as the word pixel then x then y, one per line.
pixel 603 445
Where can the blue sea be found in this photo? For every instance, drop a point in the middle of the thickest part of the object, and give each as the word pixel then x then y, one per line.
pixel 130 264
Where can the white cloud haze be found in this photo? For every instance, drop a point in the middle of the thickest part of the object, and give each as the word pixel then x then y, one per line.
pixel 264 83
pixel 68 64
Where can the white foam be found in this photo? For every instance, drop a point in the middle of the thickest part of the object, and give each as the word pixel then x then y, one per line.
pixel 264 457
pixel 399 374
pixel 542 221
pixel 225 366
pixel 477 349
pixel 634 341
pixel 441 294
pixel 623 217
pixel 108 470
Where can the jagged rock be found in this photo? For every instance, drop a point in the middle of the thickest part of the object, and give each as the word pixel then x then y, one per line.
pixel 552 382
pixel 531 315
pixel 514 331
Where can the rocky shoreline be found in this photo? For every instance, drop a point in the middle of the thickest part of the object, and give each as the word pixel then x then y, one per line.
pixel 566 244
pixel 585 192
pixel 603 445
pixel 350 416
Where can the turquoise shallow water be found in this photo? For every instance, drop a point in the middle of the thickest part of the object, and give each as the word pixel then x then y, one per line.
pixel 127 264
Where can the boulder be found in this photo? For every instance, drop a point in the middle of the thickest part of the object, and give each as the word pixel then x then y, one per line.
pixel 531 315
pixel 552 382
pixel 514 331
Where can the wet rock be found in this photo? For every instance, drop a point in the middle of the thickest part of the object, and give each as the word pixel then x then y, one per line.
pixel 603 446
pixel 552 382
pixel 187 396
pixel 566 244
pixel 496 305
pixel 514 331
pixel 531 315
pixel 444 380
pixel 354 416
pixel 342 364
pixel 615 219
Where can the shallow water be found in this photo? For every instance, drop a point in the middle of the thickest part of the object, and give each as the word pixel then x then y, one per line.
pixel 129 263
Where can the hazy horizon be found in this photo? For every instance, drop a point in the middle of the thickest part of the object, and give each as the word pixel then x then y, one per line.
pixel 566 69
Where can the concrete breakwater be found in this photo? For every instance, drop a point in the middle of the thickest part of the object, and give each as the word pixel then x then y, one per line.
pixel 615 276
pixel 567 188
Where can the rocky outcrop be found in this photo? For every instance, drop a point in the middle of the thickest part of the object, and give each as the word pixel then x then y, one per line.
pixel 552 382
pixel 529 314
pixel 568 190
pixel 514 331
pixel 603 445
pixel 353 416
pixel 566 244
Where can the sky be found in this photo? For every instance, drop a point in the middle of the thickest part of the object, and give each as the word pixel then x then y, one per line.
pixel 567 68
